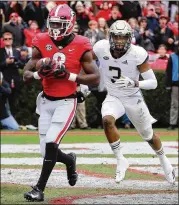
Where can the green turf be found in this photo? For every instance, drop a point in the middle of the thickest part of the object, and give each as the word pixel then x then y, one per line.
pixel 83 137
pixel 32 155
pixel 31 139
pixel 13 193
pixel 17 192
pixel 96 130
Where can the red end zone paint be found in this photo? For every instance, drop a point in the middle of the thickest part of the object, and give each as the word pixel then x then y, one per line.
pixel 157 176
pixel 70 200
pixel 175 147
pixel 77 148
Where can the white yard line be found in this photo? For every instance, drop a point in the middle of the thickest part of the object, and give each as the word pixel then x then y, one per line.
pixel 153 170
pixel 84 160
pixel 58 178
pixel 130 199
pixel 94 148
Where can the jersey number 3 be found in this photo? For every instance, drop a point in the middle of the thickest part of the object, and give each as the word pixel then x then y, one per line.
pixel 118 73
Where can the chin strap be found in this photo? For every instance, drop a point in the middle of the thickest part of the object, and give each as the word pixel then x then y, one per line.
pixel 114 51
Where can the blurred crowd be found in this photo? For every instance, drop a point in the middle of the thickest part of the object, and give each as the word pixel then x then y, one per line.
pixel 155 26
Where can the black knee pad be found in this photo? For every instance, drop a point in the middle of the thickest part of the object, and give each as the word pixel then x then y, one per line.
pixel 51 151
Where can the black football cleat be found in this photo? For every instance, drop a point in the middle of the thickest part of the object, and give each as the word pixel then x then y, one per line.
pixel 72 175
pixel 34 195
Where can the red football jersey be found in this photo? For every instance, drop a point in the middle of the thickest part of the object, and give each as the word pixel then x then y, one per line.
pixel 69 55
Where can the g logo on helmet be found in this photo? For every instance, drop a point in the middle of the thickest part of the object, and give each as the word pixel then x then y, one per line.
pixel 72 13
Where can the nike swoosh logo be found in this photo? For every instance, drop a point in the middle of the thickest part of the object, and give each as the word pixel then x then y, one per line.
pixel 34 195
pixel 71 50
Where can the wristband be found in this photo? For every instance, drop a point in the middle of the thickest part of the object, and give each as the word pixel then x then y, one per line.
pixel 72 77
pixel 36 75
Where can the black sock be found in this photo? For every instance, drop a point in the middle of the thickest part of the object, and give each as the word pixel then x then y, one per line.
pixel 64 158
pixel 48 164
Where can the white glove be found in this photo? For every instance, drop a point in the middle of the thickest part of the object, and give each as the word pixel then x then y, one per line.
pixel 85 90
pixel 125 82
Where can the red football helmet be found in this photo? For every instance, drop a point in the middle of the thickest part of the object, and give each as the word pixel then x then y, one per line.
pixel 61 21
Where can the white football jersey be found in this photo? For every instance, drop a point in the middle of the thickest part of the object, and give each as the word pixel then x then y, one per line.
pixel 112 69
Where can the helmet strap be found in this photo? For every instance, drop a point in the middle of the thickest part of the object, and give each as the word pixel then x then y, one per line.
pixel 117 54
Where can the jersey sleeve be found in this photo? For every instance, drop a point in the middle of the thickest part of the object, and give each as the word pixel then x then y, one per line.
pixel 97 48
pixel 84 47
pixel 142 55
pixel 87 45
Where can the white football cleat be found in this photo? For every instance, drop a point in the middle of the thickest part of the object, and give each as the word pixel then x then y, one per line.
pixel 122 167
pixel 169 171
pixel 120 175
pixel 170 176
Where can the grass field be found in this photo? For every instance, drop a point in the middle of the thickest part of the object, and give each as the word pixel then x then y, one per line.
pixel 96 178
pixel 79 136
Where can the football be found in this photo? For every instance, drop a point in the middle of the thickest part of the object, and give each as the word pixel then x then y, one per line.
pixel 42 60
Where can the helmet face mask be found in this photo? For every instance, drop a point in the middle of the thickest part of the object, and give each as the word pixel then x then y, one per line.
pixel 120 36
pixel 60 22
pixel 119 43
pixel 58 28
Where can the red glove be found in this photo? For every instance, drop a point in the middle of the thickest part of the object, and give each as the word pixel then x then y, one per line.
pixel 61 72
pixel 46 67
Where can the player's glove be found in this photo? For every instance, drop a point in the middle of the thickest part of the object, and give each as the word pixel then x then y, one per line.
pixel 125 82
pixel 46 68
pixel 61 72
pixel 80 97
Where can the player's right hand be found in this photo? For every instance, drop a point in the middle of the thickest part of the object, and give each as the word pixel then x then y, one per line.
pixel 125 82
pixel 61 72
pixel 46 67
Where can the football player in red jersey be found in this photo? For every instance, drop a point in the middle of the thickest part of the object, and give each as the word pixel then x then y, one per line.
pixel 56 105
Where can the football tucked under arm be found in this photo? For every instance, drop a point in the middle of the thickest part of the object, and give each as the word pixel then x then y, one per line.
pixel 44 68
pixel 39 63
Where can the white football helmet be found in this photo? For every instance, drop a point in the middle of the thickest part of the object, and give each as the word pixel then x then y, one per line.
pixel 120 36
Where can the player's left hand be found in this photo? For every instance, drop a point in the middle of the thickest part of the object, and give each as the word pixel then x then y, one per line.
pixel 61 72
pixel 125 82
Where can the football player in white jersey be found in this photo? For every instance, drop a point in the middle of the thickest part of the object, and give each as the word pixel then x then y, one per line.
pixel 121 64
